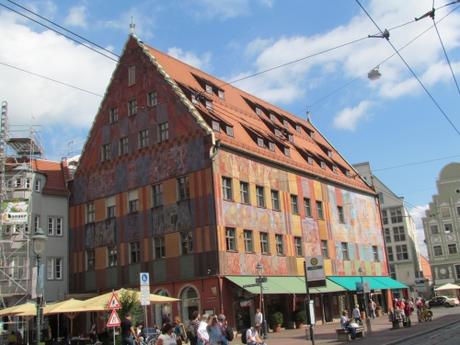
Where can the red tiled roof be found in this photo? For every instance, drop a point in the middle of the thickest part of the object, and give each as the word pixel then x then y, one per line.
pixel 237 110
pixel 55 176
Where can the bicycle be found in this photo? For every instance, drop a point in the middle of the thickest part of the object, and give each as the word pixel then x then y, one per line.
pixel 425 315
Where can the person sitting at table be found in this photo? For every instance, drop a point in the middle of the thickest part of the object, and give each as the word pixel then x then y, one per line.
pixel 346 324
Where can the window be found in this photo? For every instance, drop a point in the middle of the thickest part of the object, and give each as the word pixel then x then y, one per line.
pixel 143 138
pixel 229 131
pixel 17 183
pixel 434 229
pixel 51 221
pixel 437 250
pixel 131 75
pixel 230 239
pixel 448 228
pixel 36 223
pixel 132 107
pixel 259 111
pixel 123 147
pixel 209 105
pixel 291 138
pixel 307 207
pixel 271 146
pixel 310 160
pixel 163 129
pixel 183 188
pixel 390 254
pixel 392 271
pixel 105 152
pixel 278 132
pixel 279 244
pixel 401 252
pixel 133 201
pixel 160 249
pixel 157 195
pixel 452 248
pixel 208 88
pixel 341 214
pixel 187 242
pixel 227 192
pixel 90 260
pixel 398 234
pixel 322 164
pixel 380 197
pixel 458 211
pixel 248 243
pixel 298 246
pixel 260 142
pixel 111 211
pixel 264 245
pixel 396 215
pixel 329 153
pixel 27 186
pixel 112 256
pixel 221 94
pixel 215 126
pixel 152 99
pixel 244 192
pixel 385 217
pixel 113 115
pixel 50 268
pixel 298 128
pixel 58 267
pixel 285 123
pixel 457 271
pixel 445 212
pixel 319 209
pixel 260 197
pixel 294 204
pixel 386 231
pixel 375 252
pixel 345 254
pixel 287 152
pixel 325 249
pixel 134 252
pixel 275 200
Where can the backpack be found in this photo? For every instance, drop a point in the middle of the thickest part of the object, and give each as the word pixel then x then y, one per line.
pixel 229 333
pixel 244 340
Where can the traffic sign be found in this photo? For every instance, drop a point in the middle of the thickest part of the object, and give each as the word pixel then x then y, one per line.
pixel 145 295
pixel 114 302
pixel 261 280
pixel 144 278
pixel 114 319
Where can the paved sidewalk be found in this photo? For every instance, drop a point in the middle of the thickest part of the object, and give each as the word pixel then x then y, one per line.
pixel 381 332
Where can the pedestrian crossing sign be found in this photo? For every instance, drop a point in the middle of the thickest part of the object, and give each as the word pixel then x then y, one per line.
pixel 114 319
pixel 114 302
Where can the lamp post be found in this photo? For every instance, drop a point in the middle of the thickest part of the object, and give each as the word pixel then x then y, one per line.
pixel 39 241
pixel 260 270
pixel 368 320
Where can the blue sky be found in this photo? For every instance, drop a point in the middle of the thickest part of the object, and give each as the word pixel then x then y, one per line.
pixel 387 122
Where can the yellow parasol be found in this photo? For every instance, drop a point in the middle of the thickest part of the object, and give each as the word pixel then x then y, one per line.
pixel 25 309
pixel 63 307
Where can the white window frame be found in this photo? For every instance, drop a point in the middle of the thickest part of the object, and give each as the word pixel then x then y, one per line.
pixel 163 132
pixel 58 268
pixel 50 268
pixel 52 222
pixel 37 185
pixel 152 99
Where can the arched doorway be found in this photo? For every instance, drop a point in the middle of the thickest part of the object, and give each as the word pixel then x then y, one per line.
pixel 162 312
pixel 190 301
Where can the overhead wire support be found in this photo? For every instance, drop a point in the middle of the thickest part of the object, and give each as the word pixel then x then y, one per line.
pixel 449 120
pixel 58 32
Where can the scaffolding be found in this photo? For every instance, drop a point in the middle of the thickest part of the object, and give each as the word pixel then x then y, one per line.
pixel 17 154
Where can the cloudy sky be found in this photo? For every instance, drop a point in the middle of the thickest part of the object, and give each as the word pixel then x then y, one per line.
pixel 389 122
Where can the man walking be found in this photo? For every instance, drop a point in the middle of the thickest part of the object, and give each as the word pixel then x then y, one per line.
pixel 259 319
pixel 128 334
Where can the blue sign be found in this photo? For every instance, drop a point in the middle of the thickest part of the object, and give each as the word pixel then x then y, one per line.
pixel 144 278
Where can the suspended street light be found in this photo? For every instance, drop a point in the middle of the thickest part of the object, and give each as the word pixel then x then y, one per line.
pixel 374 74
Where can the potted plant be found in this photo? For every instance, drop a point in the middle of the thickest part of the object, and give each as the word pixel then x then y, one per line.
pixel 276 320
pixel 300 318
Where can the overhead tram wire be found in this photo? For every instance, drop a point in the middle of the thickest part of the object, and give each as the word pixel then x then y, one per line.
pixel 416 163
pixel 50 79
pixel 60 33
pixel 387 58
pixel 435 102
pixel 63 28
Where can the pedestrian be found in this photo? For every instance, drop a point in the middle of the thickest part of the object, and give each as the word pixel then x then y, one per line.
pixel 259 319
pixel 140 330
pixel 215 331
pixel 192 329
pixel 372 307
pixel 202 332
pixel 346 325
pixel 128 333
pixel 227 331
pixel 356 313
pixel 179 330
pixel 408 309
pixel 253 335
pixel 93 333
pixel 167 337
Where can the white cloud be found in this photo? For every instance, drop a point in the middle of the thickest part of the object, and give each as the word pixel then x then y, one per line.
pixel 191 58
pixel 52 55
pixel 226 9
pixel 142 17
pixel 348 118
pixel 417 214
pixel 76 16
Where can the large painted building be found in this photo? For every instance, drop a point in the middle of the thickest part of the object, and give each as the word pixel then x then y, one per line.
pixel 442 227
pixel 197 182
pixel 400 233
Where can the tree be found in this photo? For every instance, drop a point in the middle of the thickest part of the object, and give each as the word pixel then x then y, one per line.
pixel 130 303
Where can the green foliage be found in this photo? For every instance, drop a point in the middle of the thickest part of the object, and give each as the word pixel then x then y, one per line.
pixel 130 303
pixel 300 316
pixel 276 319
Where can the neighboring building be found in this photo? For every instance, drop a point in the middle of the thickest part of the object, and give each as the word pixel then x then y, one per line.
pixel 400 233
pixel 34 196
pixel 197 182
pixel 442 227
pixel 425 284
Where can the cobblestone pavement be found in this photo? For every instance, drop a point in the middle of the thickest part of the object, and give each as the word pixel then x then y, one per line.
pixel 382 333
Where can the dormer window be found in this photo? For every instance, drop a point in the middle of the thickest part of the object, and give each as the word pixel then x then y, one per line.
pixel 335 169
pixel 193 98
pixel 260 142
pixel 229 131
pixel 208 88
pixel 209 105
pixel 272 117
pixel 348 173
pixel 322 164
pixel 310 160
pixel 285 123
pixel 215 126
pixel 287 151
pixel 329 153
pixel 298 128
pixel 221 94
pixel 259 111
pixel 291 138
pixel 271 146
pixel 278 132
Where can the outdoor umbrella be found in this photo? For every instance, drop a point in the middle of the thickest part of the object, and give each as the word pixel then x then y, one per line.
pixel 448 286
pixel 25 309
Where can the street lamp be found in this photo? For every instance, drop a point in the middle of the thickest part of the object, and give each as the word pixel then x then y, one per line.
pixel 260 270
pixel 368 320
pixel 39 241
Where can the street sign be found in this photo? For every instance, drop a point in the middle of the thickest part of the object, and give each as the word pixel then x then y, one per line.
pixel 362 286
pixel 145 288
pixel 311 313
pixel 114 302
pixel 144 278
pixel 261 280
pixel 315 271
pixel 114 319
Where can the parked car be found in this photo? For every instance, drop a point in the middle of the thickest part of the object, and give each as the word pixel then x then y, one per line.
pixel 452 302
pixel 443 301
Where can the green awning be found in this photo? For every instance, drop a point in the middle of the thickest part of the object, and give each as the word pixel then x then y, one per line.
pixel 282 285
pixel 375 283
